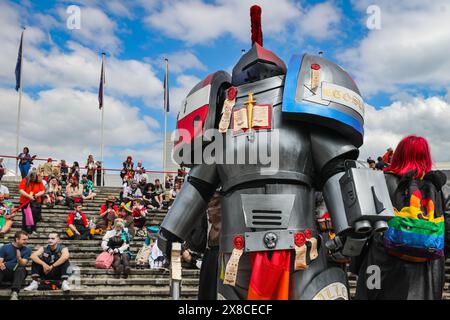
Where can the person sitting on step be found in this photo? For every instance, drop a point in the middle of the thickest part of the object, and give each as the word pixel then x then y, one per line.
pixel 74 192
pixel 139 217
pixel 88 188
pixel 132 192
pixel 7 212
pixel 53 192
pixel 117 242
pixel 13 260
pixel 149 197
pixel 50 263
pixel 108 213
pixel 78 225
pixel 4 190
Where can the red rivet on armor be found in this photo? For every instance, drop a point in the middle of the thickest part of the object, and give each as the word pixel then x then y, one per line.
pixel 308 233
pixel 299 239
pixel 238 242
pixel 315 66
pixel 232 93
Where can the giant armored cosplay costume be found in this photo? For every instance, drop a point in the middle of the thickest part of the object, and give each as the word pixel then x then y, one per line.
pixel 312 113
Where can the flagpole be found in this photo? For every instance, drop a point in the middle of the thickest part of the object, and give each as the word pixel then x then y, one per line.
pixel 103 113
pixel 166 92
pixel 19 108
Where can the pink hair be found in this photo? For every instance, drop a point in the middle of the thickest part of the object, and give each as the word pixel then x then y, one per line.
pixel 411 154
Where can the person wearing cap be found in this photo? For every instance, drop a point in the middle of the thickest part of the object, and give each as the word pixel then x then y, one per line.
pixel 109 212
pixel 117 242
pixel 47 169
pixel 132 192
pixel 78 225
pixel 142 183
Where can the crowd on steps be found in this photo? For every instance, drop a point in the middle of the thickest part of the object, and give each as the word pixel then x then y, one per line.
pixel 120 220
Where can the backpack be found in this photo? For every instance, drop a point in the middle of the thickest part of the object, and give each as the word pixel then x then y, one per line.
pixel 143 254
pixel 416 233
pixel 104 260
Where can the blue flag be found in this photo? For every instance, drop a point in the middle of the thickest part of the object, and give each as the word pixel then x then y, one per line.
pixel 19 64
pixel 101 88
pixel 166 88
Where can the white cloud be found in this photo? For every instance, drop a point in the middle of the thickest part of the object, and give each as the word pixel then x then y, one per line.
pixel 199 21
pixel 320 21
pixel 97 30
pixel 76 67
pixel 196 21
pixel 411 48
pixel 184 60
pixel 119 8
pixel 428 117
pixel 65 123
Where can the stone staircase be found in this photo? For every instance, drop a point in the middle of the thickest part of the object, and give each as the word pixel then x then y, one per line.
pixel 91 283
pixel 96 284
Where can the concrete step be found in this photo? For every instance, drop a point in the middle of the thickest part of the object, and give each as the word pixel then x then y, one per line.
pixel 98 284
pixel 59 222
pixel 132 281
pixel 62 216
pixel 109 293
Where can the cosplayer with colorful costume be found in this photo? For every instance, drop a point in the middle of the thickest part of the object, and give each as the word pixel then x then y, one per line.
pixel 270 246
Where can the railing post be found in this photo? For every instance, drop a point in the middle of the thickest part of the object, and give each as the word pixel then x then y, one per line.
pixel 175 271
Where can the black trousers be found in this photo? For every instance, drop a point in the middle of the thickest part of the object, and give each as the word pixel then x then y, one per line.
pixel 207 289
pixel 99 180
pixel 58 273
pixel 16 277
pixel 37 216
pixel 121 263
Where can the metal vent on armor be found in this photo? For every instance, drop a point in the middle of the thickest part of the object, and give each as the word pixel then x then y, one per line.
pixel 267 211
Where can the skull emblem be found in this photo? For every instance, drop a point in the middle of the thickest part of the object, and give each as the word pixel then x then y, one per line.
pixel 270 240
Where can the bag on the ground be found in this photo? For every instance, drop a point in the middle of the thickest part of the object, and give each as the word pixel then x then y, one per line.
pixel 49 285
pixel 104 260
pixel 416 233
pixel 28 216
pixel 70 233
pixel 143 254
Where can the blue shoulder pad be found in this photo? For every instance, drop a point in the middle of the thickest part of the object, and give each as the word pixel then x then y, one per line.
pixel 320 92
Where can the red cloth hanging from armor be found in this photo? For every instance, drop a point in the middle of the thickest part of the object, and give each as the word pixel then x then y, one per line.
pixel 269 279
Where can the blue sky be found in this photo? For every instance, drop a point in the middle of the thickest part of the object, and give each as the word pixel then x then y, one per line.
pixel 402 69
